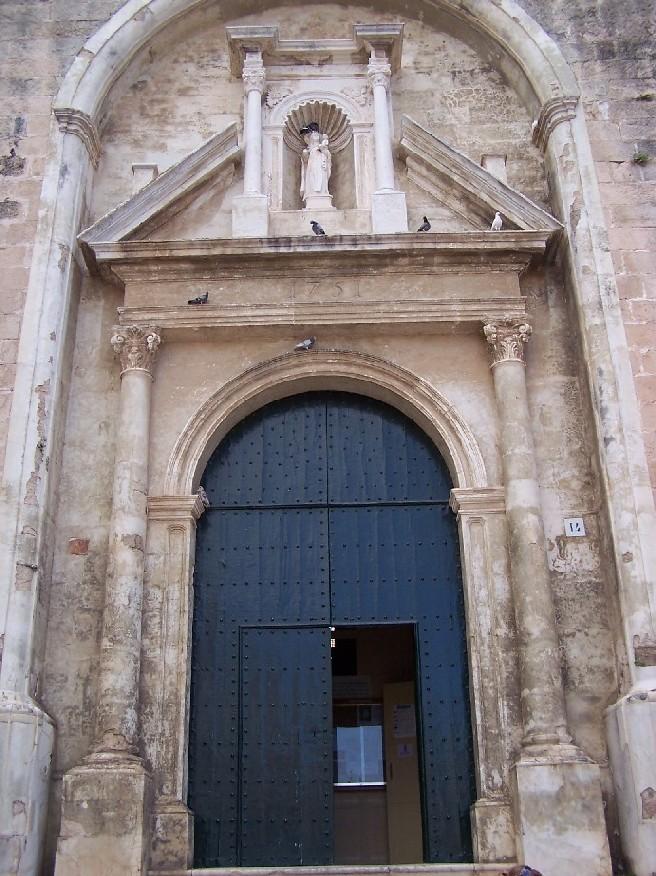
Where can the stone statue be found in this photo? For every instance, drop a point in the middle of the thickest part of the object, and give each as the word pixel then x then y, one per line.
pixel 316 165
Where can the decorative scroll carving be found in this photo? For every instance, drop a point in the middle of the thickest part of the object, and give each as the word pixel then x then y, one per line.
pixel 253 73
pixel 136 346
pixel 379 72
pixel 553 112
pixel 507 340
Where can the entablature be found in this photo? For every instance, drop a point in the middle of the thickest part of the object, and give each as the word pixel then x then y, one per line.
pixel 461 252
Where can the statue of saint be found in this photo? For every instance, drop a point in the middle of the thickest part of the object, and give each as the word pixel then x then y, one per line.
pixel 316 165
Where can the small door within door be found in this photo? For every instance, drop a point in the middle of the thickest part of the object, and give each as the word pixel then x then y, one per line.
pixel 286 747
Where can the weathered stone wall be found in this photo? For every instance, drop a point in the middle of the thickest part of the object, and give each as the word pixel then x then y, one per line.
pixel 610 48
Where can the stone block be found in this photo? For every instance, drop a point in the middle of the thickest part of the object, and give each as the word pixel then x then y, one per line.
pixel 250 216
pixel 173 836
pixel 493 831
pixel 296 223
pixel 27 737
pixel 631 729
pixel 105 818
pixel 388 212
pixel 560 815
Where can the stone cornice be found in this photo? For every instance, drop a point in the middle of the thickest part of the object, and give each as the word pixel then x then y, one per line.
pixel 469 251
pixel 464 313
pixel 74 121
pixel 457 180
pixel 552 114
pixel 478 501
pixel 266 38
pixel 175 508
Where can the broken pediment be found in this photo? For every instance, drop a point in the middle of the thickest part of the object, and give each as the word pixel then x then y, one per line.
pixel 202 176
pixel 463 188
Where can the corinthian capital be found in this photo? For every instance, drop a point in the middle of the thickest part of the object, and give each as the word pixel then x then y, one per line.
pixel 253 73
pixel 507 340
pixel 136 346
pixel 379 72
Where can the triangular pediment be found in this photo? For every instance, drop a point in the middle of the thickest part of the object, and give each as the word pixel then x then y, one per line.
pixel 210 166
pixel 464 188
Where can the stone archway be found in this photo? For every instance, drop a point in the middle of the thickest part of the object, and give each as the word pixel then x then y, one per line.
pixel 481 520
pixel 560 132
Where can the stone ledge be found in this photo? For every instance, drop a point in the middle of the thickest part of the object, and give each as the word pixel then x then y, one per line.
pixel 468 314
pixel 346 870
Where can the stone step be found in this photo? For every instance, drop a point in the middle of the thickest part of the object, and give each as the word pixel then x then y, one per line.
pixel 349 870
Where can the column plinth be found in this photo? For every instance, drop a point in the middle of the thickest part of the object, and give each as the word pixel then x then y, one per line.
pixel 106 801
pixel 551 775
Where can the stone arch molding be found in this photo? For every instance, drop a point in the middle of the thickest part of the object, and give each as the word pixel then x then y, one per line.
pixel 342 370
pixel 112 47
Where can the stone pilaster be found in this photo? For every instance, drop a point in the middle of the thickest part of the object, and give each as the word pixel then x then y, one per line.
pixel 388 207
pixel 250 214
pixel 165 672
pixel 558 804
pixel 106 800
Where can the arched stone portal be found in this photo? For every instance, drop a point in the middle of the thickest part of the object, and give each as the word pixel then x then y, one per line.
pixel 549 88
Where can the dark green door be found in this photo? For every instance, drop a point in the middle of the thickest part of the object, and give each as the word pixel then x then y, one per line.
pixel 326 508
pixel 286 746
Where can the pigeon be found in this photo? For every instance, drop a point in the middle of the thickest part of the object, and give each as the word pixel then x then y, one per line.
pixel 521 870
pixel 318 230
pixel 425 226
pixel 497 222
pixel 201 299
pixel 306 344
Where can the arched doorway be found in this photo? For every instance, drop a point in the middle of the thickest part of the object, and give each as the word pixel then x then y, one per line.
pixel 329 669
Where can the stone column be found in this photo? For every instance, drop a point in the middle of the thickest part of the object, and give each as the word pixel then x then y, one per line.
pixel 250 213
pixel 106 800
pixel 388 208
pixel 558 803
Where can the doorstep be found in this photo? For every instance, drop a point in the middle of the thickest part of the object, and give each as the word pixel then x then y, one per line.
pixel 348 870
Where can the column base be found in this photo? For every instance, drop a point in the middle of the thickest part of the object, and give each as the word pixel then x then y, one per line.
pixel 106 805
pixel 631 732
pixel 27 738
pixel 560 813
pixel 388 213
pixel 173 836
pixel 493 831
pixel 250 216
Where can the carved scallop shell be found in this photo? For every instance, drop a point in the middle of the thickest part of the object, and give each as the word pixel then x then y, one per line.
pixel 332 121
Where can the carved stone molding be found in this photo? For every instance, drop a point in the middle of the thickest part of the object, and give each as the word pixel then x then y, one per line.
pixel 136 347
pixel 253 73
pixel 74 121
pixel 379 72
pixel 478 501
pixel 177 508
pixel 552 114
pixel 507 340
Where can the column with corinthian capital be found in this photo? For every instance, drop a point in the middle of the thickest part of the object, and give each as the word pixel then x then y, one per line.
pixel 106 800
pixel 250 211
pixel 557 787
pixel 388 207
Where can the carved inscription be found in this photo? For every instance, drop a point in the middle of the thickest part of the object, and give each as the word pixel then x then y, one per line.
pixel 323 290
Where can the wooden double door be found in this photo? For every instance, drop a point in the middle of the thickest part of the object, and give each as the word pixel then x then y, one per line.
pixel 326 510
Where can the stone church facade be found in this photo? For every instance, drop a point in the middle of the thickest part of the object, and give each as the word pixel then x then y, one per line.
pixel 167 305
